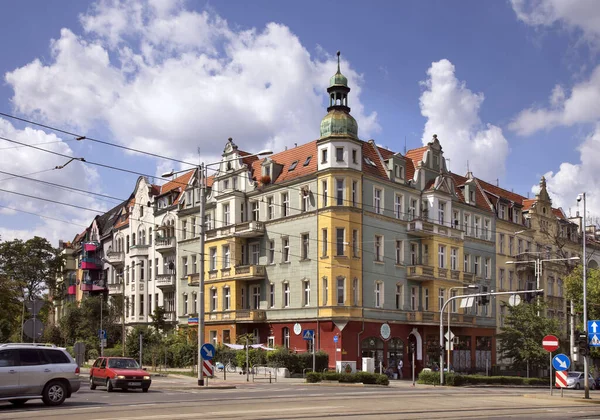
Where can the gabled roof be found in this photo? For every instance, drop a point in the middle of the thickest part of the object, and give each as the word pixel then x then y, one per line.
pixel 369 151
pixel 501 192
pixel 122 223
pixel 527 203
pixel 178 184
pixel 416 155
pixel 480 200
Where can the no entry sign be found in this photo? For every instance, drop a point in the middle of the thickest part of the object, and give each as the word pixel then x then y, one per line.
pixel 550 343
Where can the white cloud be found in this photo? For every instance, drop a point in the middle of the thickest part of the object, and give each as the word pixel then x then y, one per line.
pixel 21 160
pixel 572 179
pixel 452 112
pixel 582 16
pixel 581 106
pixel 168 80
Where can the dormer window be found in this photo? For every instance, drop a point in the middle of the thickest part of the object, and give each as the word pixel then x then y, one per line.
pixel 471 196
pixel 339 154
pixel 324 156
pixel 307 161
pixel 502 212
pixel 293 166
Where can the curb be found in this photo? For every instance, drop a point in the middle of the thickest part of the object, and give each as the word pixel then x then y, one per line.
pixel 572 399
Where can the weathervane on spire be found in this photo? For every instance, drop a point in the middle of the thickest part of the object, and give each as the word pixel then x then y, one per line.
pixel 338 55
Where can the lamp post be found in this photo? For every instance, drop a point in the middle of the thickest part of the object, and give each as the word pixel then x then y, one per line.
pixel 585 314
pixel 469 286
pixel 201 173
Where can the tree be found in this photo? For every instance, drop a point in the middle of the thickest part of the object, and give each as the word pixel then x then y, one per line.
pixel 574 291
pixel 10 308
pixel 158 319
pixel 522 334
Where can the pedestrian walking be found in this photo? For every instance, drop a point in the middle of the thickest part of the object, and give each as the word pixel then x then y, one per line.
pixel 400 366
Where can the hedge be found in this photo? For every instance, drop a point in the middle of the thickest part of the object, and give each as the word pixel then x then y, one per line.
pixel 453 379
pixel 358 377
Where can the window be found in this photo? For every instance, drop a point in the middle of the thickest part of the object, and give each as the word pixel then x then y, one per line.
pixel 339 154
pixel 441 212
pixel 441 297
pixel 426 298
pixel 185 304
pixel 142 270
pixel 502 213
pixel 341 290
pixel 501 243
pixel 255 211
pixel 184 263
pixel 454 259
pixel 519 246
pixel 226 221
pixel 354 156
pixel 398 206
pixel 339 241
pixel 414 254
pixel 242 212
pixel 501 278
pixel 324 242
pixel 306 293
pixel 442 256
pixel 354 192
pixel 414 293
pixel 208 222
pixel 377 201
pixel 355 243
pixel 156 268
pixel 141 313
pixel 285 333
pixel 226 184
pixel 194 267
pixel 270 208
pixel 293 166
pixel 183 230
pixel 193 223
pixel 133 239
pixel 286 249
pixel 271 295
pixel 477 226
pixel 305 200
pixel 255 297
pixel 399 252
pixel 213 299
pixel 324 188
pixel 510 280
pixel 467 266
pixel 455 220
pixel 550 286
pixel 226 298
pixel 412 210
pixel 286 295
pixel 271 252
pixel 378 294
pixel 307 161
pixel 339 192
pixel 243 295
pixel 488 268
pixel 378 248
pixel 467 223
pixel 285 204
pixel 453 303
pixel 510 245
pixel 486 229
pixel 305 243
pixel 213 258
pixel 355 291
pixel 324 156
pixel 133 272
pixel 325 291
pixel 254 253
pixel 226 257
pixel 477 266
pixel 398 296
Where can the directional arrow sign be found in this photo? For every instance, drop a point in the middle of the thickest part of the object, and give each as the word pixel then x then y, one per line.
pixel 561 362
pixel 593 326
pixel 207 351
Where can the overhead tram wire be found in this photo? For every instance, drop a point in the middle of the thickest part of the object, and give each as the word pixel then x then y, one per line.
pixel 80 137
pixel 54 201
pixel 42 216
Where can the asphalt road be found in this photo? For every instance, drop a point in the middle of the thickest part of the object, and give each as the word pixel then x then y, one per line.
pixel 166 401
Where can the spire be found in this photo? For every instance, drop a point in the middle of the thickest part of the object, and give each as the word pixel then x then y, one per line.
pixel 338 55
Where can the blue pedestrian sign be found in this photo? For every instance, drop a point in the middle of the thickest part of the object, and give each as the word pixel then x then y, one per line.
pixel 207 351
pixel 102 334
pixel 593 330
pixel 561 362
pixel 336 338
pixel 308 334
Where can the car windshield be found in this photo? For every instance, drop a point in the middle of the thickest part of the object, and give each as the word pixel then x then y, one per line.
pixel 123 364
pixel 573 374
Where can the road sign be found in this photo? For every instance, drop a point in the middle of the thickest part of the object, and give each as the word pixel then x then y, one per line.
pixel 308 334
pixel 102 334
pixel 594 340
pixel 593 327
pixel 207 369
pixel 451 335
pixel 561 379
pixel 561 362
pixel 192 321
pixel 451 344
pixel 207 351
pixel 33 328
pixel 550 343
pixel 103 343
pixel 34 306
pixel 336 338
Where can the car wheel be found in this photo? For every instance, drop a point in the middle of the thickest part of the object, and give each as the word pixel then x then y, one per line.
pixel 109 387
pixel 54 393
pixel 577 386
pixel 145 389
pixel 18 403
pixel 92 384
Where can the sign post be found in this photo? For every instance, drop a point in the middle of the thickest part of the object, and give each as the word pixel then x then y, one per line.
pixel 550 344
pixel 207 352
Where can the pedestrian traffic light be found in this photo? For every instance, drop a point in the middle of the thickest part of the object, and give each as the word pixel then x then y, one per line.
pixel 582 343
pixel 483 300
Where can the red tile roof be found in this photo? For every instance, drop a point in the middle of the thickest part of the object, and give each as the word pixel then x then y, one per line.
pixel 178 184
pixel 369 150
pixel 286 158
pixel 559 213
pixel 416 155
pixel 527 203
pixel 501 192
pixel 480 200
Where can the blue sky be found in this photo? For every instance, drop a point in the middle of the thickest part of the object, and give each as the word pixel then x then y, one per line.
pixel 511 86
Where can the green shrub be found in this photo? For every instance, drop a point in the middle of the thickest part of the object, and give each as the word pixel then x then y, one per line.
pixel 382 380
pixel 429 377
pixel 93 354
pixel 331 376
pixel 116 351
pixel 366 378
pixel 313 377
pixel 347 378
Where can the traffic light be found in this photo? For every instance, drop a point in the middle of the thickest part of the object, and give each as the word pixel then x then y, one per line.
pixel 582 343
pixel 483 300
pixel 530 296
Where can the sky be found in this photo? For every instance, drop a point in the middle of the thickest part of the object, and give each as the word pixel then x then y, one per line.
pixel 511 88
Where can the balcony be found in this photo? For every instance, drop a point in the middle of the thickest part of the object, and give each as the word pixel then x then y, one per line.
pixel 138 251
pixel 165 244
pixel 116 259
pixel 90 246
pixel 251 315
pixel 88 263
pixel 423 228
pixel 420 272
pixel 193 279
pixel 249 272
pixel 165 281
pixel 423 316
pixel 115 289
pixel 249 229
pixel 468 277
pixel 93 286
pixel 170 317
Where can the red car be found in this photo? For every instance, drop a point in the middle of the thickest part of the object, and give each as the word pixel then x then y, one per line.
pixel 118 372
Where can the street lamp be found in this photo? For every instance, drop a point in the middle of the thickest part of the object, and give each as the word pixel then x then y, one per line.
pixel 469 286
pixel 201 169
pixel 585 315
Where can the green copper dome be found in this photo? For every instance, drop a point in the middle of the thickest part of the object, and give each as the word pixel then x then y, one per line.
pixel 338 79
pixel 340 124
